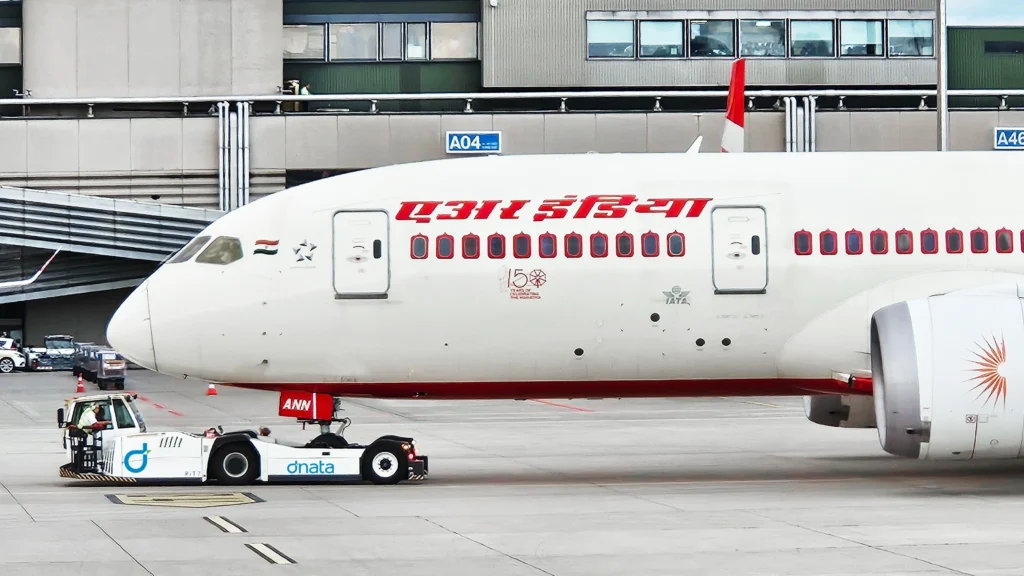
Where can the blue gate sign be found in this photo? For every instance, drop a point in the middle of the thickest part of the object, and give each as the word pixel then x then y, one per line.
pixel 1009 139
pixel 472 142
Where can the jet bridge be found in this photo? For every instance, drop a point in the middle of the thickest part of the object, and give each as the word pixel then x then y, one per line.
pixel 104 243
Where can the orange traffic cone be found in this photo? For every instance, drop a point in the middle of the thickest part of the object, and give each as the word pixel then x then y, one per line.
pixel 81 385
pixel 211 390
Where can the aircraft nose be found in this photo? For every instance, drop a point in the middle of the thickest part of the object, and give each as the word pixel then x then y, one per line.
pixel 130 332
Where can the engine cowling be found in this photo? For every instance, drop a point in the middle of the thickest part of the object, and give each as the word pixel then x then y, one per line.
pixel 840 411
pixel 947 375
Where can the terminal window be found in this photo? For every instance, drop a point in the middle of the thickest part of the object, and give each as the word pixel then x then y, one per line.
pixel 1004 47
pixel 353 41
pixel 304 42
pixel 453 40
pixel 860 38
pixel 610 39
pixel 812 38
pixel 661 39
pixel 910 38
pixel 712 39
pixel 763 38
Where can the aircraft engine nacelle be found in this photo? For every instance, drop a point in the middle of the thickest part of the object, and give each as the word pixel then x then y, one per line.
pixel 948 375
pixel 840 411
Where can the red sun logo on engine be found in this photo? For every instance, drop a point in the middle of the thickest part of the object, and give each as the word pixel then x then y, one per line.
pixel 991 359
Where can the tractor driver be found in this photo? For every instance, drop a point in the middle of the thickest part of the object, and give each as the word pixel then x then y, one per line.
pixel 92 419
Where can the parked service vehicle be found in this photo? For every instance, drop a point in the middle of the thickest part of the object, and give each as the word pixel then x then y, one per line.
pixel 78 358
pixel 56 353
pixel 102 366
pixel 124 451
pixel 10 358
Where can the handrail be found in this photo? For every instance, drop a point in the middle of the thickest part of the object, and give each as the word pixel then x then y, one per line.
pixel 825 93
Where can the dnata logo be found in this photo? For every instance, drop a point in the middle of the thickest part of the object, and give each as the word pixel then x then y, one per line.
pixel 296 404
pixel 144 452
pixel 320 467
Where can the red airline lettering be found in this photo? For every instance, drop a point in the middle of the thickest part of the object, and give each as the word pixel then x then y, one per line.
pixel 509 212
pixel 557 208
pixel 610 206
pixel 594 206
pixel 673 207
pixel 463 212
pixel 418 211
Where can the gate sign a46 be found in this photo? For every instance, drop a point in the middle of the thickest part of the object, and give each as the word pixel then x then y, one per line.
pixel 1009 139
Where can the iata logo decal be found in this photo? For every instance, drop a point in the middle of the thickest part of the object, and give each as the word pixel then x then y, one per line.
pixel 991 362
pixel 677 296
pixel 144 452
pixel 598 206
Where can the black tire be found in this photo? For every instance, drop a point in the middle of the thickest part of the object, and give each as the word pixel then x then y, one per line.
pixel 235 464
pixel 119 384
pixel 385 463
pixel 6 365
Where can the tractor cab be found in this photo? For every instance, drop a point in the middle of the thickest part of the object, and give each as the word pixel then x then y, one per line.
pixel 84 434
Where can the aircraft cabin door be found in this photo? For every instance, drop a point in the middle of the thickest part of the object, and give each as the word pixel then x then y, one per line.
pixel 739 260
pixel 361 254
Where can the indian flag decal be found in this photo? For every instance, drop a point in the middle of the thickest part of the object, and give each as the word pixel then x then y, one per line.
pixel 266 247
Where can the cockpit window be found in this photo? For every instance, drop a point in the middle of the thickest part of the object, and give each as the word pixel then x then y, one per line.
pixel 223 250
pixel 190 250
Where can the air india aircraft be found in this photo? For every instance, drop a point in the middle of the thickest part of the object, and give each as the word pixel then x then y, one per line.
pixel 884 287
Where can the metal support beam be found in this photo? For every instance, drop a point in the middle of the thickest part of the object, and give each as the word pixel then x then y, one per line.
pixel 942 87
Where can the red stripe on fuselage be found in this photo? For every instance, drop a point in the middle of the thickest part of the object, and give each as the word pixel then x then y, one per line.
pixel 570 388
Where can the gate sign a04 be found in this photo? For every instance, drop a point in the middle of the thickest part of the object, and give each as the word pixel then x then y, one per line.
pixel 472 142
pixel 1009 139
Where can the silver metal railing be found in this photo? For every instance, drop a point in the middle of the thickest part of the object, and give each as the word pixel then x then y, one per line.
pixel 471 96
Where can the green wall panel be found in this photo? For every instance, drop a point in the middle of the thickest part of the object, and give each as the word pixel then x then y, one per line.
pixel 971 68
pixel 388 78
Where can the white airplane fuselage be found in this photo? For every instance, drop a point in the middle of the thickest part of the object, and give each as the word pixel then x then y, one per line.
pixel 739 312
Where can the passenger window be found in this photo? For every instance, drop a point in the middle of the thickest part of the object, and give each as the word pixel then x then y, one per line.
pixel 1004 241
pixel 676 244
pixel 224 250
pixel 879 242
pixel 598 245
pixel 904 242
pixel 929 242
pixel 755 245
pixel 190 250
pixel 470 246
pixel 419 247
pixel 802 241
pixel 854 242
pixel 829 243
pixel 547 245
pixel 573 245
pixel 496 246
pixel 122 416
pixel 521 245
pixel 649 244
pixel 377 249
pixel 979 241
pixel 624 245
pixel 954 241
pixel 445 247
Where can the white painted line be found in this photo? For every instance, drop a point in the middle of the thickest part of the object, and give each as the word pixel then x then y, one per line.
pixel 270 554
pixel 224 524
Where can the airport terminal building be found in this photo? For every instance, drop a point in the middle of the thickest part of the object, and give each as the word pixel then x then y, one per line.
pixel 126 127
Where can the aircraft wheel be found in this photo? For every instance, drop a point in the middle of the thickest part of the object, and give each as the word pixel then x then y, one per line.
pixel 235 464
pixel 384 464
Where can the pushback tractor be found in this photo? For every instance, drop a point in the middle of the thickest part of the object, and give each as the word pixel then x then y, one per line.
pixel 114 445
